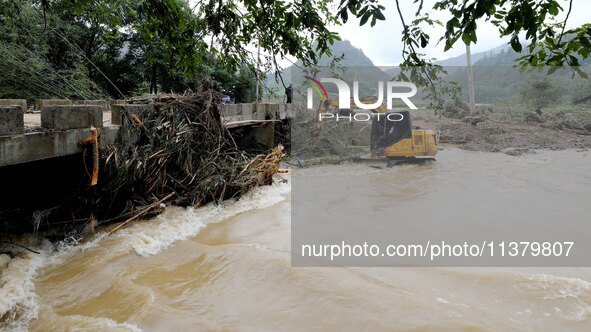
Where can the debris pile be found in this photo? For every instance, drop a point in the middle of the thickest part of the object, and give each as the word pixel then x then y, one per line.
pixel 180 146
pixel 173 149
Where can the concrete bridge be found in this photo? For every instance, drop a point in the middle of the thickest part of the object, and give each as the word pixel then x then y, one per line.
pixel 54 127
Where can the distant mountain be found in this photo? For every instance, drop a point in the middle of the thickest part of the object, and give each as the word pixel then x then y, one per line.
pixel 509 57
pixel 499 56
pixel 348 61
pixel 506 57
pixel 460 60
pixel 351 56
pixel 497 79
pixel 494 74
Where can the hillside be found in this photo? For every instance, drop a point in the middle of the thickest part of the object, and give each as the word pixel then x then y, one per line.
pixel 348 62
pixel 460 60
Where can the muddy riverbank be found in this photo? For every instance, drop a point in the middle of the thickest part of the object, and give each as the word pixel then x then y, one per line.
pixel 495 134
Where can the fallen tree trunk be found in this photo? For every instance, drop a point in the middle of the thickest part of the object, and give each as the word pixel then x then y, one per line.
pixel 141 213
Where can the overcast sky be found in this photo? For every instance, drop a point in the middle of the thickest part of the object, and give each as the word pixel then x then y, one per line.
pixel 383 46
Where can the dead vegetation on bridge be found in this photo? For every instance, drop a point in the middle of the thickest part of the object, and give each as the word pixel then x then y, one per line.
pixel 180 146
pixel 177 151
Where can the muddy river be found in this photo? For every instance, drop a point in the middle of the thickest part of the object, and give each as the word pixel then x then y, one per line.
pixel 228 268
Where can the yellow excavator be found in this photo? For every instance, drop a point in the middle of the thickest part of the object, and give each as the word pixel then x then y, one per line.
pixel 393 136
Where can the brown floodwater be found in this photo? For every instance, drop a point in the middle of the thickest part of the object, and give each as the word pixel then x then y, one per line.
pixel 228 269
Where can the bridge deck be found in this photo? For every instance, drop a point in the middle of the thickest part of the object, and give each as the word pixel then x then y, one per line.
pixel 38 143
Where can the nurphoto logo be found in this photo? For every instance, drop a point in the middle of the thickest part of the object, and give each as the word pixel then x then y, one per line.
pixel 344 93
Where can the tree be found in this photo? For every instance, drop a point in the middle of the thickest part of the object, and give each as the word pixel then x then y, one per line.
pixel 169 43
pixel 223 29
pixel 125 46
pixel 174 39
pixel 36 64
pixel 549 42
pixel 539 93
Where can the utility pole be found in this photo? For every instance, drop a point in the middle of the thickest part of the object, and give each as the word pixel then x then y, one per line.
pixel 472 99
pixel 257 73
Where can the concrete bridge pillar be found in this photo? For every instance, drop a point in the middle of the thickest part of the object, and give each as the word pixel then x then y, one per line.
pixel 99 102
pixel 12 120
pixel 71 117
pixel 40 103
pixel 22 103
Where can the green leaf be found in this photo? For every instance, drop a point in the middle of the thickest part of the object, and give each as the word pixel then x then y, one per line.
pixel 344 15
pixel 363 11
pixel 585 41
pixel 515 44
pixel 379 15
pixel 450 42
pixel 573 60
pixel 364 18
pixel 424 41
pixel 552 70
pixel 580 72
pixel 466 38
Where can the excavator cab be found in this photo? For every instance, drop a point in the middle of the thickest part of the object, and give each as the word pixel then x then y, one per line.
pixel 393 136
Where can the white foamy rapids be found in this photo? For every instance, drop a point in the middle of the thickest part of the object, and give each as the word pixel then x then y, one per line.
pixel 52 321
pixel 570 298
pixel 18 300
pixel 149 238
pixel 99 324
